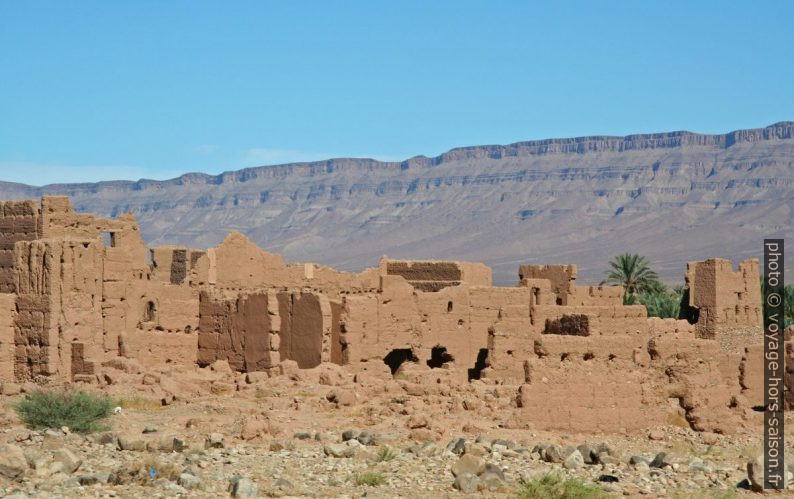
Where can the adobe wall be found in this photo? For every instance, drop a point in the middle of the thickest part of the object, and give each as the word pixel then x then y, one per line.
pixel 562 278
pixel 59 301
pixel 589 396
pixel 19 221
pixel 173 264
pixel 305 334
pixel 83 290
pixel 455 318
pixel 7 345
pixel 617 383
pixel 434 275
pixel 238 264
pixel 241 329
pixel 82 302
pixel 720 298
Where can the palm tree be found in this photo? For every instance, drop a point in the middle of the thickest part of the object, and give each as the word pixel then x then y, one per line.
pixel 633 272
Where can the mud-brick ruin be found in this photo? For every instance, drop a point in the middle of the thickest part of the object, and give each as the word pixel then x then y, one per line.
pixel 77 292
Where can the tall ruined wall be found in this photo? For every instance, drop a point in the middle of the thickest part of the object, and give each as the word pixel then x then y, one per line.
pixel 241 329
pixel 19 221
pixel 7 345
pixel 305 334
pixel 173 264
pixel 721 298
pixel 59 324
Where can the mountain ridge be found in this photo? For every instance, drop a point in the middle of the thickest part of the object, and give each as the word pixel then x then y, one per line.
pixel 782 130
pixel 675 196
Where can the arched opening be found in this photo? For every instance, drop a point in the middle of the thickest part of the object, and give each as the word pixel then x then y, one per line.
pixel 439 356
pixel 481 363
pixel 449 306
pixel 150 312
pixel 397 357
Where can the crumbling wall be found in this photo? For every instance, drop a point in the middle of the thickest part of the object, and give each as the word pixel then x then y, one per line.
pixel 695 375
pixel 657 325
pixel 19 221
pixel 162 324
pixel 433 275
pixel 561 277
pixel 305 333
pixel 598 395
pixel 601 296
pixel 173 264
pixel 59 300
pixel 241 329
pixel 454 320
pixel 751 375
pixel 239 264
pixel 719 298
pixel 7 345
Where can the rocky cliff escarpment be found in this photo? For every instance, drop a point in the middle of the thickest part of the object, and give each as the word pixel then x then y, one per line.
pixel 672 196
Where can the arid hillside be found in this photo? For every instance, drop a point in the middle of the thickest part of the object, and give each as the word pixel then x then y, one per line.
pixel 674 197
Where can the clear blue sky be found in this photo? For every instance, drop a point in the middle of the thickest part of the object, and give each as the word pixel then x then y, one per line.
pixel 102 90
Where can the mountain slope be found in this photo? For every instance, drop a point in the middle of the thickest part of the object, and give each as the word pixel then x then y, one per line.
pixel 672 196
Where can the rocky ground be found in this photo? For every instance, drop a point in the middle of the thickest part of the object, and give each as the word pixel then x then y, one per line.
pixel 327 433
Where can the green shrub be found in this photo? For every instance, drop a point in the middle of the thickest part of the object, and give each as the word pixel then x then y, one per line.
pixel 371 478
pixel 552 486
pixel 385 454
pixel 80 411
pixel 662 301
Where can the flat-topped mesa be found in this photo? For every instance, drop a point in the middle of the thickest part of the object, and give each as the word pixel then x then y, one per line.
pixel 78 292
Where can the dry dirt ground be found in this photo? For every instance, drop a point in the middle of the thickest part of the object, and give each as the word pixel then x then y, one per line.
pixel 328 433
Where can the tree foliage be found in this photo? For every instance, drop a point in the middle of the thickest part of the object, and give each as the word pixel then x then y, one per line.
pixel 633 272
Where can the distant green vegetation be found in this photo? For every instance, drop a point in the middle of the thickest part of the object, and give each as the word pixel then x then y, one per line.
pixel 80 411
pixel 553 486
pixel 641 285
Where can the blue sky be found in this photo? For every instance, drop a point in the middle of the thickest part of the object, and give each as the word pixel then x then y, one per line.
pixel 104 90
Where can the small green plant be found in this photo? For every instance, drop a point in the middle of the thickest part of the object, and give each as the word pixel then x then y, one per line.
pixel 80 411
pixel 553 486
pixel 385 454
pixel 371 478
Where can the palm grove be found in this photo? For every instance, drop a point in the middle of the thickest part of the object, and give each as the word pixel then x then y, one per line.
pixel 641 285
